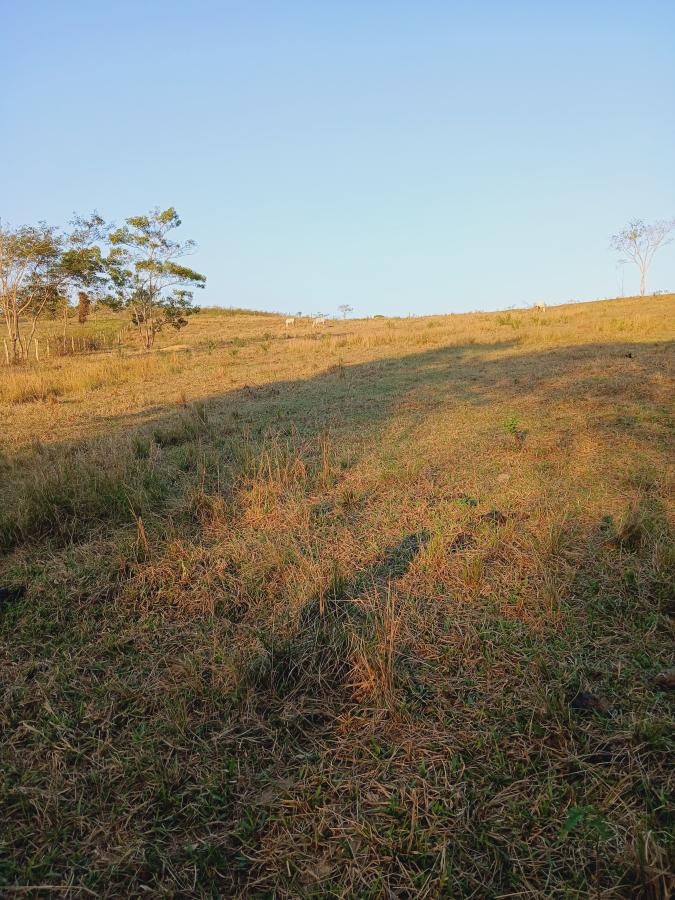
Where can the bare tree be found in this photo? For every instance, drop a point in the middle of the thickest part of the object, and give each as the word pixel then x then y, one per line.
pixel 345 309
pixel 640 241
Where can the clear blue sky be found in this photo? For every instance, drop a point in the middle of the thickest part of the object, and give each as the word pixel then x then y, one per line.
pixel 411 156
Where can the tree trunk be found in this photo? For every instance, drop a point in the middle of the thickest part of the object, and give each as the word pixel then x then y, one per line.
pixel 149 329
pixel 13 324
pixel 643 276
pixel 17 343
pixel 31 335
pixel 83 307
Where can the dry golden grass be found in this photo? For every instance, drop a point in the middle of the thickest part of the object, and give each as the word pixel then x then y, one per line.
pixel 373 612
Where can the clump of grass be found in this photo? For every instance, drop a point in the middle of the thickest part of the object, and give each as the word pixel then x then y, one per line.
pixel 634 527
pixel 30 387
pixel 509 320
pixel 375 647
pixel 76 493
pixel 73 377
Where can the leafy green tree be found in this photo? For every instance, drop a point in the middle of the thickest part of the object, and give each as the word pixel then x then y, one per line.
pixel 145 276
pixel 28 256
pixel 80 267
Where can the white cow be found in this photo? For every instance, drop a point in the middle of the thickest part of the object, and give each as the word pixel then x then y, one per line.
pixel 290 321
pixel 539 307
pixel 319 321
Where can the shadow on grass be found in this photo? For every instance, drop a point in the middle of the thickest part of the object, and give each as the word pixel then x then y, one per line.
pixel 319 649
pixel 164 777
pixel 62 496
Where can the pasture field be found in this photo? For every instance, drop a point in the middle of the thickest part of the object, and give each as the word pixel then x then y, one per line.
pixel 379 610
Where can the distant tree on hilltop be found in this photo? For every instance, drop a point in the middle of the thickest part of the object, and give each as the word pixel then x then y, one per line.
pixel 640 241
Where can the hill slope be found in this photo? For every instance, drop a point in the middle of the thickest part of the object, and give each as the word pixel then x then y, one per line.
pixel 379 610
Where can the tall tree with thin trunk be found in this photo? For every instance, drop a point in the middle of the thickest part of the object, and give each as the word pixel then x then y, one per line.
pixel 638 242
pixel 145 275
pixel 28 255
pixel 40 268
pixel 79 267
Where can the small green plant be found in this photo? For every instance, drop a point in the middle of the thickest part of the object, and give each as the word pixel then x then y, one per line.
pixel 466 500
pixel 587 820
pixel 511 425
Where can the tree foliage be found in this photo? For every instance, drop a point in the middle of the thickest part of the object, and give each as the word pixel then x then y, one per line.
pixel 45 270
pixel 29 256
pixel 146 276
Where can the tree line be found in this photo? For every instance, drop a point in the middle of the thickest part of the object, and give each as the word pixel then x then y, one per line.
pixel 135 267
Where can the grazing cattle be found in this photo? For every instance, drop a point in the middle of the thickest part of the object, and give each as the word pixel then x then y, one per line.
pixel 319 321
pixel 540 307
pixel 290 321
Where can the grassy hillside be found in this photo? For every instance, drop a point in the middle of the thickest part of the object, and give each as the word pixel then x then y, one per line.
pixel 380 610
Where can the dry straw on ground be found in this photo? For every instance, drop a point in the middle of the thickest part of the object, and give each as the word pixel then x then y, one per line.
pixel 376 611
